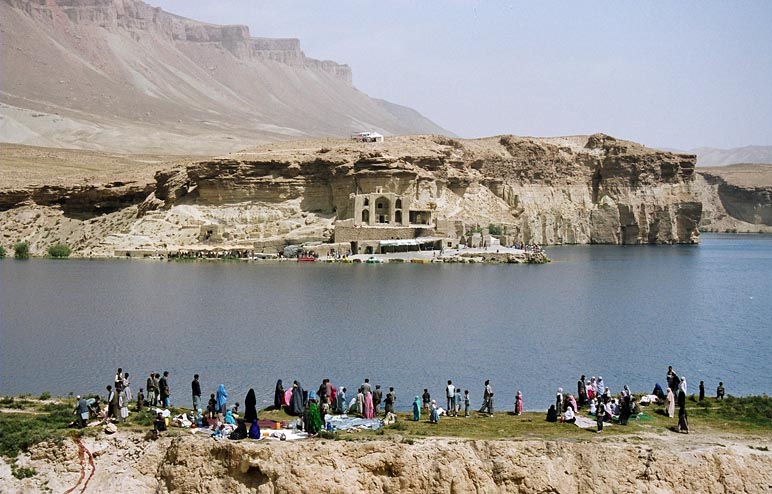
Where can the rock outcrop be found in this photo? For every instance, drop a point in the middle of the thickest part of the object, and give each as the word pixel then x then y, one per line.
pixel 573 190
pixel 191 465
pixel 736 198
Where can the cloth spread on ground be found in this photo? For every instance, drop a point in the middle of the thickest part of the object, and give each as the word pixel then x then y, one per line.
pixel 271 424
pixel 283 435
pixel 346 423
pixel 647 399
pixel 588 423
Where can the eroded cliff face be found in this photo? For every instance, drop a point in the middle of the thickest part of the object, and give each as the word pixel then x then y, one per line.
pixel 192 464
pixel 736 198
pixel 575 190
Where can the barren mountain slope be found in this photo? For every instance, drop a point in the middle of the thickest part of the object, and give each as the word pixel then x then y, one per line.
pixel 121 75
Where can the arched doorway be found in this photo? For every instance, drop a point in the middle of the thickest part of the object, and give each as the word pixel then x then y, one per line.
pixel 382 210
pixel 398 217
pixel 366 216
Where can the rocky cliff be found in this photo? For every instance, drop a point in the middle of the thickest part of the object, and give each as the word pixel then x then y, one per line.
pixel 736 198
pixel 573 190
pixel 121 75
pixel 190 464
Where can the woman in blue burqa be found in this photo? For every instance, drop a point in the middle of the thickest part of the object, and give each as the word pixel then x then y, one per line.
pixel 278 395
pixel 250 407
pixel 296 405
pixel 417 409
pixel 222 399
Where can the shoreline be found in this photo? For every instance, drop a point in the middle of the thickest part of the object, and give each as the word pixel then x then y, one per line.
pixel 643 457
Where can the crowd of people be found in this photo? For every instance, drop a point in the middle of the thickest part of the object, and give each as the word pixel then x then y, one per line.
pixel 311 407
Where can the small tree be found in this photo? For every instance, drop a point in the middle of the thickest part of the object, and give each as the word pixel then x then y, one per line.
pixel 21 250
pixel 2 252
pixel 59 251
pixel 495 229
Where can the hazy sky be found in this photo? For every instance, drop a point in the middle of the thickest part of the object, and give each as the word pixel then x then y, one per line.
pixel 678 74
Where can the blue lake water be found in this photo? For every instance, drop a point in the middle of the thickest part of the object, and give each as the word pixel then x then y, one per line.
pixel 625 313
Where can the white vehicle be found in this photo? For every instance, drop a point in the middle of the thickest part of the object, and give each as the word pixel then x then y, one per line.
pixel 367 137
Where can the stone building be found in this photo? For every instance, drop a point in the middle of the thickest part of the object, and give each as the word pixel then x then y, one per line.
pixel 387 222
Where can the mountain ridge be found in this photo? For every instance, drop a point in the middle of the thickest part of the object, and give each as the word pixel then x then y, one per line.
pixel 121 75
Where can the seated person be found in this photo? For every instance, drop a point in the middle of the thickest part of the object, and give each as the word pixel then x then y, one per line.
pixel 635 409
pixel 593 407
pixel 552 414
pixel 159 424
pixel 569 417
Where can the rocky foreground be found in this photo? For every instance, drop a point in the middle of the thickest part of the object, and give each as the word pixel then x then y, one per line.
pixel 568 190
pixel 129 462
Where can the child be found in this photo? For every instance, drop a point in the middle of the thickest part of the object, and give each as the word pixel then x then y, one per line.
pixel 211 408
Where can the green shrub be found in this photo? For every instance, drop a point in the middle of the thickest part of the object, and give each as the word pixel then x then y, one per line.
pixel 22 472
pixel 21 250
pixel 45 396
pixel 59 251
pixel 2 252
pixel 495 229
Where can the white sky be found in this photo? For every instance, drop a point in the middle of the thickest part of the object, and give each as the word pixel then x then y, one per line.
pixel 668 74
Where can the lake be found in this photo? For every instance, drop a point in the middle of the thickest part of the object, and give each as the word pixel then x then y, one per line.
pixel 624 313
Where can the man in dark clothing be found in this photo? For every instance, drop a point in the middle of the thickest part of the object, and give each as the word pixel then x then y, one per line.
pixel 581 388
pixel 702 390
pixel 81 410
pixel 377 399
pixel 487 406
pixel 112 403
pixel 163 384
pixel 196 389
pixel 391 397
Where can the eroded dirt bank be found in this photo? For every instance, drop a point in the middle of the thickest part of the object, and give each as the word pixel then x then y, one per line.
pixel 127 462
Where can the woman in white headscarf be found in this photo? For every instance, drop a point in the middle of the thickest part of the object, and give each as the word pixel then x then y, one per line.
pixel 670 403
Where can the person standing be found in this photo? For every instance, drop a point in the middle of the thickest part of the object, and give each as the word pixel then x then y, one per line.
pixel 195 388
pixel 559 401
pixel 702 390
pixel 140 399
pixel 458 399
pixel 450 395
pixel 366 387
pixel 163 386
pixel 417 409
pixel 518 403
pixel 683 424
pixel 581 390
pixel 127 386
pixel 112 403
pixel 152 389
pixel 118 380
pixel 377 399
pixel 426 398
pixel 487 406
pixel 222 399
pixel 368 404
pixel 670 403
pixel 600 415
pixel 278 395
pixel 250 407
pixel 466 403
pixel 391 397
pixel 720 391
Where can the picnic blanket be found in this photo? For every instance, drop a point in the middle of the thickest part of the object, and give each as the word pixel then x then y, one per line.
pixel 588 423
pixel 282 435
pixel 346 423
